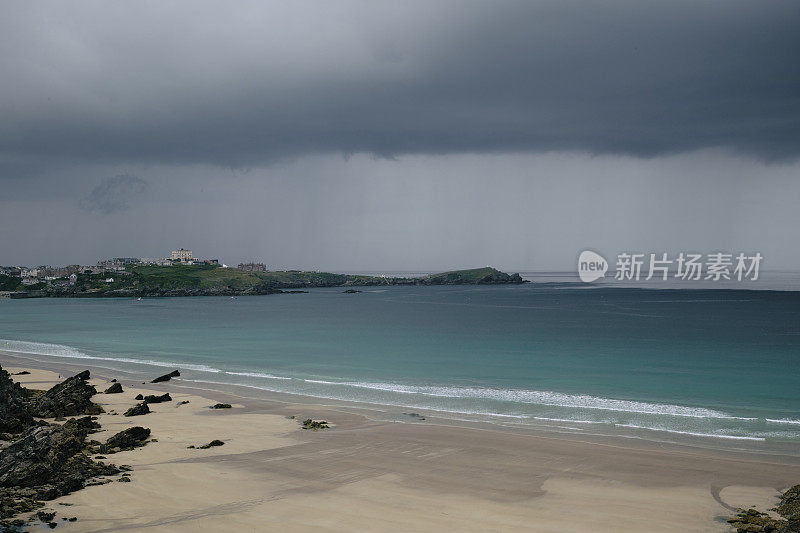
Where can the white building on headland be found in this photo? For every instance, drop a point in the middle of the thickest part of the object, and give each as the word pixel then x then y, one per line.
pixel 184 256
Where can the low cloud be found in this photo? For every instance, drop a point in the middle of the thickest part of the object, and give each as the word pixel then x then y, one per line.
pixel 114 194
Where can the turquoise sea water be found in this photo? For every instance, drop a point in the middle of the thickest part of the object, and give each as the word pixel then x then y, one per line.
pixel 715 364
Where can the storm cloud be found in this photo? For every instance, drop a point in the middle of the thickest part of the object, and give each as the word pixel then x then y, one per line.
pixel 245 85
pixel 363 135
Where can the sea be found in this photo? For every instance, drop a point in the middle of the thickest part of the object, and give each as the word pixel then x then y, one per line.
pixel 713 365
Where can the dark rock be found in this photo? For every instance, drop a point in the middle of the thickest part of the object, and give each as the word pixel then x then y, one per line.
pixel 116 388
pixel 211 444
pixel 14 502
pixel 752 520
pixel 138 409
pixel 184 402
pixel 124 480
pixel 351 291
pixel 221 406
pixel 157 399
pixel 114 380
pixel 86 422
pixel 46 462
pixel 790 503
pixel 166 377
pixel 127 439
pixel 315 424
pixel 22 373
pixel 139 397
pixel 38 455
pixel 46 516
pixel 69 398
pixel 14 414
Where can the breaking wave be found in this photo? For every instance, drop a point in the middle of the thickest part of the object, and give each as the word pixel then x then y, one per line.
pixel 536 397
pixel 61 350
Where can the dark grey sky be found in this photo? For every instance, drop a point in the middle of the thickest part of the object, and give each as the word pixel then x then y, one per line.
pixel 409 135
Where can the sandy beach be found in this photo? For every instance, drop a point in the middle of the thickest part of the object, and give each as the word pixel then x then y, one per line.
pixel 363 475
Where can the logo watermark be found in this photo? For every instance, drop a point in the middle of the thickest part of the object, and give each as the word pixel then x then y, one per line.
pixel 684 266
pixel 591 266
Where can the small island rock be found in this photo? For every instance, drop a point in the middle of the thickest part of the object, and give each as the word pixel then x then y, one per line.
pixel 138 409
pixel 116 388
pixel 166 377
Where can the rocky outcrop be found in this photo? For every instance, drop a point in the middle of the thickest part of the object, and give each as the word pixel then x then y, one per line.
pixel 314 424
pixel 139 397
pixel 86 422
pixel 212 444
pixel 138 409
pixel 790 503
pixel 71 397
pixel 47 460
pixel 221 406
pixel 126 439
pixel 50 460
pixel 116 388
pixel 166 377
pixel 34 458
pixel 152 398
pixel 14 414
pixel 754 521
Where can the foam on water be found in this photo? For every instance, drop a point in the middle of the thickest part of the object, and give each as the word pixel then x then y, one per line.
pixel 336 397
pixel 693 433
pixel 548 398
pixel 570 420
pixel 258 375
pixel 60 350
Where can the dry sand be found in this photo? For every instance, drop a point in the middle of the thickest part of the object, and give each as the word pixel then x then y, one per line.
pixel 362 475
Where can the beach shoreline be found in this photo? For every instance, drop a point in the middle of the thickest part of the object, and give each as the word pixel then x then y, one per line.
pixel 367 474
pixel 382 413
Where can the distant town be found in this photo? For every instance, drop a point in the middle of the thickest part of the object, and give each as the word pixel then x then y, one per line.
pixel 63 276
